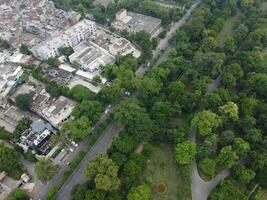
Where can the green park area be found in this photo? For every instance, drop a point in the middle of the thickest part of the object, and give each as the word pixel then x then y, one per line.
pixel 162 175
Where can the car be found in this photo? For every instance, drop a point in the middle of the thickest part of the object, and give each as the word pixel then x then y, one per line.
pixel 109 106
pixel 106 111
pixel 71 150
pixel 127 93
pixel 74 143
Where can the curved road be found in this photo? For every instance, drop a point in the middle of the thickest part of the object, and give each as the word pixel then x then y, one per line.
pixel 201 189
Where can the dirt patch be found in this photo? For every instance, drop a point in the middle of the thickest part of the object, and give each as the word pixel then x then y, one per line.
pixel 140 148
pixel 161 188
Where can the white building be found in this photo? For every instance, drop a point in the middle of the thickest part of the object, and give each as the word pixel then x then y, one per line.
pixel 68 38
pixel 9 76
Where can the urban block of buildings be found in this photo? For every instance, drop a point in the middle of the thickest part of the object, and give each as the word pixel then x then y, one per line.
pixel 135 22
pixel 31 21
pixel 68 38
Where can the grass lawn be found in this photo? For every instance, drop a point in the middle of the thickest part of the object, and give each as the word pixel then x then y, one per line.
pixel 227 29
pixel 162 170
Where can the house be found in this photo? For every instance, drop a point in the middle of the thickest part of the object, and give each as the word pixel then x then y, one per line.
pixel 54 110
pixel 36 137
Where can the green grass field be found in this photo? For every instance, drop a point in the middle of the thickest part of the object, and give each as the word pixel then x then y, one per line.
pixel 162 168
pixel 227 29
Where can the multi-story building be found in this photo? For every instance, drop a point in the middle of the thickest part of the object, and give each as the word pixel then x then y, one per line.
pixel 9 76
pixel 68 38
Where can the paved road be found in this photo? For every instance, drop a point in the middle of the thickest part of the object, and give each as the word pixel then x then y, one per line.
pixel 104 142
pixel 199 188
pixel 164 43
pixel 41 189
pixel 100 147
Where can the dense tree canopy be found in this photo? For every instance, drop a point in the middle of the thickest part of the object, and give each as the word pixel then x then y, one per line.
pixel 104 172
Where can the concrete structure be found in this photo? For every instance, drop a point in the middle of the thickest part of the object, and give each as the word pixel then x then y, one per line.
pixel 7 185
pixel 9 76
pixel 68 38
pixel 36 137
pixel 135 22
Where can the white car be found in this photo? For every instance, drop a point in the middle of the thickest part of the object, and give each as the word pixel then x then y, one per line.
pixel 71 150
pixel 74 143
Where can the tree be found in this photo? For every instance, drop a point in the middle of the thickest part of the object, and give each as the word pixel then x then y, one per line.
pixel 104 172
pixel 227 157
pixel 261 176
pixel 53 62
pixel 18 194
pixel 97 79
pixel 230 110
pixel 94 194
pixel 91 109
pixel 243 174
pixel 10 163
pixel 4 44
pixel 24 49
pixel 45 169
pixel 205 121
pixel 241 147
pixel 23 101
pixel 208 166
pixel 140 192
pixel 185 152
pixel 21 127
pixel 66 51
pixel 229 45
pixel 226 137
pixel 227 190
pixel 80 93
pixel 77 129
pixel 162 111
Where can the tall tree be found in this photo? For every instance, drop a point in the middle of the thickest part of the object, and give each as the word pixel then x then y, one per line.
pixel 104 172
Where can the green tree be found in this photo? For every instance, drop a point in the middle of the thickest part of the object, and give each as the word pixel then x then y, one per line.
pixel 241 147
pixel 227 190
pixel 21 127
pixel 104 172
pixel 24 49
pixel 97 79
pixel 243 174
pixel 227 157
pixel 18 194
pixel 140 192
pixel 162 111
pixel 77 129
pixel 185 152
pixel 53 62
pixel 66 51
pixel 10 163
pixel 4 44
pixel 23 101
pixel 45 169
pixel 230 110
pixel 208 166
pixel 91 109
pixel 205 121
